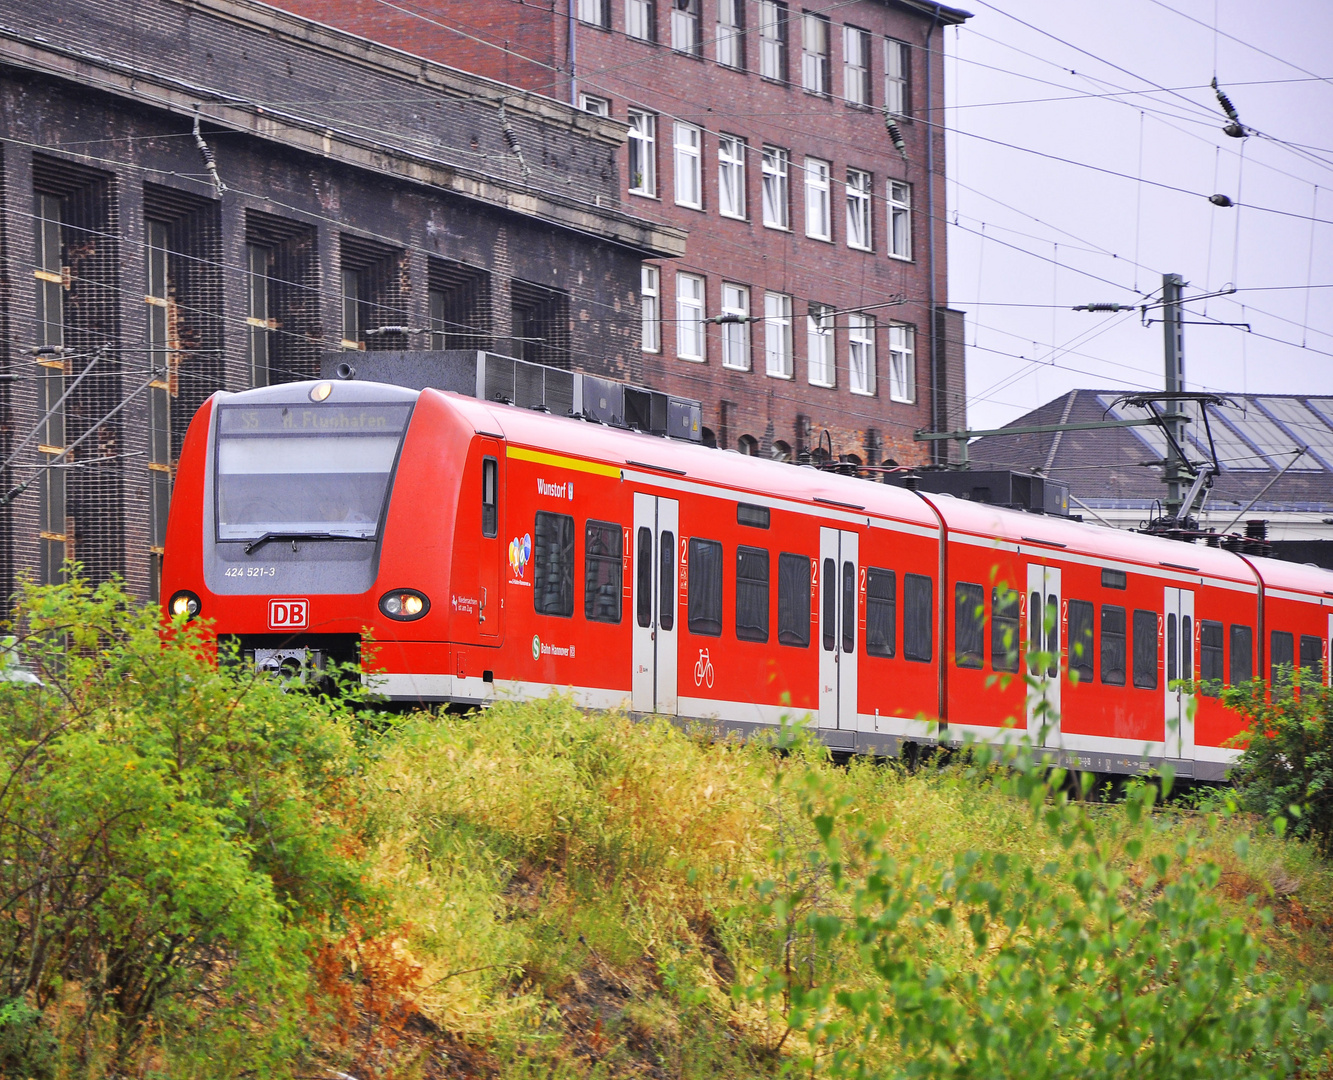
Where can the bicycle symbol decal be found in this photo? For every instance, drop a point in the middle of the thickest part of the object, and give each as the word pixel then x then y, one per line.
pixel 703 670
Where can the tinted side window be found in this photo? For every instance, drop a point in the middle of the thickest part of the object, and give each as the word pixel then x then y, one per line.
pixel 752 594
pixel 643 571
pixel 666 582
pixel 969 624
pixel 1312 655
pixel 1145 650
pixel 553 564
pixel 848 607
pixel 603 547
pixel 793 600
pixel 489 496
pixel 830 634
pixel 1004 629
pixel 705 590
pixel 1242 654
pixel 1113 645
pixel 918 617
pixel 1281 650
pixel 881 612
pixel 1081 639
pixel 1210 656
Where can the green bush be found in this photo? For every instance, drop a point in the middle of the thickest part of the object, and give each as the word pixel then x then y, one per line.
pixel 173 836
pixel 1285 771
pixel 1112 959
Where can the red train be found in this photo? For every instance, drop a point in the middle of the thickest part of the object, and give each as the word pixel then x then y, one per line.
pixel 495 552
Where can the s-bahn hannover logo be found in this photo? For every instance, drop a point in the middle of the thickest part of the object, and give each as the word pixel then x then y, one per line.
pixel 288 614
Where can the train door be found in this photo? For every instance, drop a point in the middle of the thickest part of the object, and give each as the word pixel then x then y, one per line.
pixel 1044 634
pixel 656 577
pixel 491 555
pixel 839 592
pixel 1180 651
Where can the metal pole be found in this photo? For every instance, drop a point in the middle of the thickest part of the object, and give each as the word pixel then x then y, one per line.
pixel 1174 340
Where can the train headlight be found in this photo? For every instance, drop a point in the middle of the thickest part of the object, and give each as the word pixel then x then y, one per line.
pixel 404 604
pixel 320 391
pixel 184 604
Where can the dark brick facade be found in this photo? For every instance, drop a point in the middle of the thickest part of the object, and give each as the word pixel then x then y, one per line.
pixel 334 155
pixel 529 44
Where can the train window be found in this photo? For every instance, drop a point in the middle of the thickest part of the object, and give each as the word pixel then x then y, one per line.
pixel 666 583
pixel 848 607
pixel 1113 645
pixel 1186 647
pixel 881 612
pixel 1281 659
pixel 643 579
pixel 1210 657
pixel 830 604
pixel 752 594
pixel 603 549
pixel 969 629
pixel 1171 647
pixel 754 516
pixel 705 588
pixel 1081 639
pixel 1280 651
pixel 1145 650
pixel 918 617
pixel 1114 579
pixel 1034 633
pixel 1242 654
pixel 553 564
pixel 490 511
pixel 1052 635
pixel 1312 656
pixel 1004 629
pixel 793 600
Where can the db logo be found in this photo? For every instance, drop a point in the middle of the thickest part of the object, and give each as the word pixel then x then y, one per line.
pixel 288 614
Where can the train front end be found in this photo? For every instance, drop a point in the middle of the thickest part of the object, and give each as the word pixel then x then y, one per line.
pixel 284 524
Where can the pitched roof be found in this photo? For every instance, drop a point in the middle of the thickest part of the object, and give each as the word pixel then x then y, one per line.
pixel 1122 467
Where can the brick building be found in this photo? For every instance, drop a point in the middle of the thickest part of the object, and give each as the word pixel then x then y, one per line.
pixel 210 194
pixel 813 294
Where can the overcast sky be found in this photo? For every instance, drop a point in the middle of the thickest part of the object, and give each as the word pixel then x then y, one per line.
pixel 1030 230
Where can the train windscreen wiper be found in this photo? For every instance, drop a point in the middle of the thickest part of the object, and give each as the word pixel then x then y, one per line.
pixel 260 541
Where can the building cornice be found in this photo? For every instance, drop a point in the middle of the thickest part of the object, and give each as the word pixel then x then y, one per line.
pixel 290 130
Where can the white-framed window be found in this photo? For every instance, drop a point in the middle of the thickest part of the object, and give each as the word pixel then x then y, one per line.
pixel 856 65
pixel 689 316
pixel 641 20
pixel 819 344
pixel 731 33
pixel 642 153
pixel 773 40
pixel 774 165
pixel 598 106
pixel 897 67
pixel 902 363
pixel 818 210
pixel 731 176
pixel 689 165
pixel 815 54
pixel 595 12
pixel 650 292
pixel 736 327
pixel 777 335
pixel 685 27
pixel 860 234
pixel 900 219
pixel 861 353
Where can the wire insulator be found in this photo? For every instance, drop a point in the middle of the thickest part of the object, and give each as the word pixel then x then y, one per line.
pixel 895 133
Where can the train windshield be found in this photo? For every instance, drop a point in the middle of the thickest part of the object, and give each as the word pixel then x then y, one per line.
pixel 311 471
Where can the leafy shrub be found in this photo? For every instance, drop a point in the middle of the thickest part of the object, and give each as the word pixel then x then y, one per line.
pixel 173 834
pixel 1288 756
pixel 1107 960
